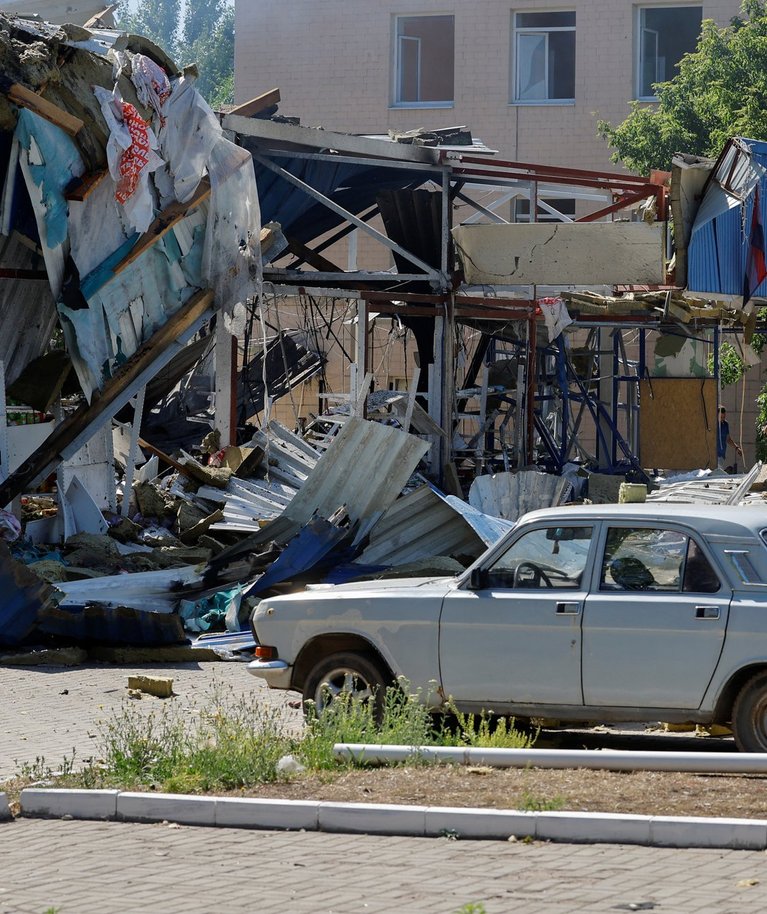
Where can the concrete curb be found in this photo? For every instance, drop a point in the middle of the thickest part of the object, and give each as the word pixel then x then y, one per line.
pixel 385 819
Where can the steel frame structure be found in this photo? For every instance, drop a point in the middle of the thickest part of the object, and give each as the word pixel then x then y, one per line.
pixel 455 172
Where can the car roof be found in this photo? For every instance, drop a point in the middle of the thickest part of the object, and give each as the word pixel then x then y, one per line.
pixel 732 520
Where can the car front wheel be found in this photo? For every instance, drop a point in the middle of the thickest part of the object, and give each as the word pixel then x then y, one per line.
pixel 749 715
pixel 349 675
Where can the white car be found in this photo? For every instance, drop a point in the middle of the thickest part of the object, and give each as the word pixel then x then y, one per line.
pixel 609 612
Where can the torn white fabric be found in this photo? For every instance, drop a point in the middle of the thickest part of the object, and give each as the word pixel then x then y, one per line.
pixel 131 157
pixel 151 82
pixel 555 316
pixel 231 262
pixel 98 226
pixel 187 138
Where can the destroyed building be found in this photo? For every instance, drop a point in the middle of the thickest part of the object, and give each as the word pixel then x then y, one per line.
pixel 166 277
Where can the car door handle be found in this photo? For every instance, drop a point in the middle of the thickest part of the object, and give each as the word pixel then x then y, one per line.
pixel 707 612
pixel 568 609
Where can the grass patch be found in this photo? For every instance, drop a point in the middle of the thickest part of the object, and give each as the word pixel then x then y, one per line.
pixel 231 744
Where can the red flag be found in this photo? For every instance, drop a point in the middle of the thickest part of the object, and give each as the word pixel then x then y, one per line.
pixel 756 267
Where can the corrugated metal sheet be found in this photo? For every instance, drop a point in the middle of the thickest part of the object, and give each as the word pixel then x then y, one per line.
pixel 303 553
pixel 365 469
pixel 153 591
pixel 718 247
pixel 420 525
pixel 27 309
pixel 510 495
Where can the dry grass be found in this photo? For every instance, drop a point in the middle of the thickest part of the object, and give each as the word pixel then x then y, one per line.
pixel 581 790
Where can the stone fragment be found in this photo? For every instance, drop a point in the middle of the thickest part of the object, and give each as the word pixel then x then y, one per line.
pixel 160 686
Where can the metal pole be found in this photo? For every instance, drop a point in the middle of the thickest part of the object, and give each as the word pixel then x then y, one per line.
pixel 138 414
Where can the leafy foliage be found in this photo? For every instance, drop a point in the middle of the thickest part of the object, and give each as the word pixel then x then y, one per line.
pixel 719 92
pixel 204 36
pixel 731 367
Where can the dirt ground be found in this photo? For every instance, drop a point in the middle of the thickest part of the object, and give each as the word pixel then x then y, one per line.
pixel 581 790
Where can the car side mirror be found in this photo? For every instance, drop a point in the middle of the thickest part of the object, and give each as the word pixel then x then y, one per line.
pixel 478 579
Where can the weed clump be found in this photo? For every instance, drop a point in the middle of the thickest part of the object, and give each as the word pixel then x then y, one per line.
pixel 231 744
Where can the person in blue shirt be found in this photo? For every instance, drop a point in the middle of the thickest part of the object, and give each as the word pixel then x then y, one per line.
pixel 723 437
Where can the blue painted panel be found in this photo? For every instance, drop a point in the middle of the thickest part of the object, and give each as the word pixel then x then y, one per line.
pixel 60 165
pixel 718 250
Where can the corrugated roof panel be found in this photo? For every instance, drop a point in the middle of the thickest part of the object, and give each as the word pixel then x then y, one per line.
pixel 365 468
pixel 718 250
pixel 420 525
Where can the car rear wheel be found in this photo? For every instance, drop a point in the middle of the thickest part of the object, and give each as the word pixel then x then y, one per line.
pixel 749 715
pixel 349 675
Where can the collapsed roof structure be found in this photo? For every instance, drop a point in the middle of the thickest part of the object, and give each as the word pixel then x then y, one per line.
pixel 132 249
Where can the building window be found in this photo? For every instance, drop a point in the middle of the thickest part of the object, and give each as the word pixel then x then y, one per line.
pixel 424 61
pixel 544 54
pixel 666 34
pixel 555 209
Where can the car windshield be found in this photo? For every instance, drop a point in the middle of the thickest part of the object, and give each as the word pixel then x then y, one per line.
pixel 546 557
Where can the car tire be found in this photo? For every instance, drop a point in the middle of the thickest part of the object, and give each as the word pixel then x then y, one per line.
pixel 749 715
pixel 358 675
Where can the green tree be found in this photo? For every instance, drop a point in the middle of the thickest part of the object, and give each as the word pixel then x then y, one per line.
pixel 719 92
pixel 203 36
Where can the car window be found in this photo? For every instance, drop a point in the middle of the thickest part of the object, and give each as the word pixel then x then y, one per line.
pixel 547 557
pixel 744 567
pixel 699 576
pixel 643 559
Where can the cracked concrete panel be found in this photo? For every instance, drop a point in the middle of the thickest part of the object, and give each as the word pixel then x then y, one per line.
pixel 574 253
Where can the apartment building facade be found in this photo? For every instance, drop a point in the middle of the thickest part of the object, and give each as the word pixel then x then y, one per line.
pixel 531 79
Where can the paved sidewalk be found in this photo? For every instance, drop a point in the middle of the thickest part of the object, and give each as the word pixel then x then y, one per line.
pixel 48 711
pixel 94 867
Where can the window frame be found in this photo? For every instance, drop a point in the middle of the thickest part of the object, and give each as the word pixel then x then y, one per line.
pixel 396 81
pixel 516 31
pixel 640 29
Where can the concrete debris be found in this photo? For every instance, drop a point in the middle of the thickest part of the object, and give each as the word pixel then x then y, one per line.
pixel 159 686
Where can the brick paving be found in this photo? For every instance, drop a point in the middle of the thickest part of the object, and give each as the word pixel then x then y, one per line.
pixel 49 711
pixel 117 868
pixel 98 867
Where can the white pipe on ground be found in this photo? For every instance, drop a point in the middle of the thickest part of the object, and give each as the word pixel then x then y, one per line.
pixel 604 759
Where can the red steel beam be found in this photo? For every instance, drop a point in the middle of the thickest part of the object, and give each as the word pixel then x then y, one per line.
pixel 532 171
pixel 621 203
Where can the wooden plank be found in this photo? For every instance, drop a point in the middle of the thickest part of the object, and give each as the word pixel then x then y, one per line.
pixel 26 98
pixel 81 190
pixel 164 223
pixel 257 104
pixel 55 447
